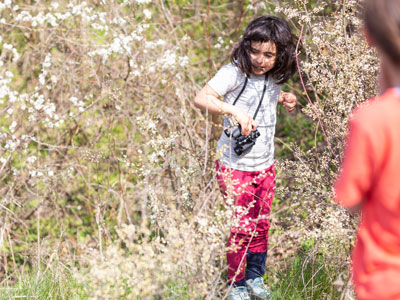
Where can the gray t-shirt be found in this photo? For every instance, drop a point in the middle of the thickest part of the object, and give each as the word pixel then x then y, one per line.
pixel 228 83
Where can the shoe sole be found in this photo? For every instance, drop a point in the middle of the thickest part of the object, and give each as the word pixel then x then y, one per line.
pixel 253 297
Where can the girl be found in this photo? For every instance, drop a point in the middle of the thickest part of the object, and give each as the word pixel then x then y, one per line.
pixel 251 86
pixel 370 173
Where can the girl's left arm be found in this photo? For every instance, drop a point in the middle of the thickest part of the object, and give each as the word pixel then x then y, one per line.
pixel 289 100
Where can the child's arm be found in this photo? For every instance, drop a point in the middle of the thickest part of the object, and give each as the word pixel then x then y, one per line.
pixel 208 99
pixel 289 100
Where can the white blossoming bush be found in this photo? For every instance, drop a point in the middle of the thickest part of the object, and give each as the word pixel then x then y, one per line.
pixel 106 167
pixel 102 159
pixel 340 72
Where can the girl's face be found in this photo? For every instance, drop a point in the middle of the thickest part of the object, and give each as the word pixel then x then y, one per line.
pixel 263 56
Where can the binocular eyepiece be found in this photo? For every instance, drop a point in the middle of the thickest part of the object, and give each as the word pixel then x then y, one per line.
pixel 243 143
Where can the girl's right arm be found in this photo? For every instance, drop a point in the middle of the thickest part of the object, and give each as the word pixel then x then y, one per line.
pixel 208 99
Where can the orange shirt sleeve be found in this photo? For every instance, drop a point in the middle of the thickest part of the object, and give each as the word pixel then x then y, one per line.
pixel 355 179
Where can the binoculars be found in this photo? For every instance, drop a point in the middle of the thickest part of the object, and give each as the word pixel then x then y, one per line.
pixel 243 143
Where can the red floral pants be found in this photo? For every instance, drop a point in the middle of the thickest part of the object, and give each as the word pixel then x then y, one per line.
pixel 250 196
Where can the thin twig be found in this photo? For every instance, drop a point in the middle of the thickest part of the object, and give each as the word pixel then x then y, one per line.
pixel 306 93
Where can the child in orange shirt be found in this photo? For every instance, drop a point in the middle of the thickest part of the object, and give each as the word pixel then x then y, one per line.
pixel 370 176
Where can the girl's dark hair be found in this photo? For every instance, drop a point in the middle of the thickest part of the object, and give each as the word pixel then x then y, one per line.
pixel 265 29
pixel 382 19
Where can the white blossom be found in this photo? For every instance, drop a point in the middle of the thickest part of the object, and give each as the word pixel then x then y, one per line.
pixel 13 126
pixel 147 13
pixel 31 159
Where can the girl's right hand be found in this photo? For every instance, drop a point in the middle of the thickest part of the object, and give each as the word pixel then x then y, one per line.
pixel 246 122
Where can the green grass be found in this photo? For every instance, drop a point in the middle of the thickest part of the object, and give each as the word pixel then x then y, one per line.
pixel 308 276
pixel 43 286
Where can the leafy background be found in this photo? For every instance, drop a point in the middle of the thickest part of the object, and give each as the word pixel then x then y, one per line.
pixel 107 169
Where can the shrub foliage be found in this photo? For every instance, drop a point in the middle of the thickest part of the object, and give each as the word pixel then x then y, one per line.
pixel 107 167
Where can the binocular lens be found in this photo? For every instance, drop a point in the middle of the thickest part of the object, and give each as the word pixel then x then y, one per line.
pixel 239 149
pixel 234 132
pixel 243 143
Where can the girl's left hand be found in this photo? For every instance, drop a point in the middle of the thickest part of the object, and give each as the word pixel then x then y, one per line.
pixel 289 100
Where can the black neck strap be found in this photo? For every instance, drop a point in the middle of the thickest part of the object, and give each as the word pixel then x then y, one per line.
pixel 262 95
